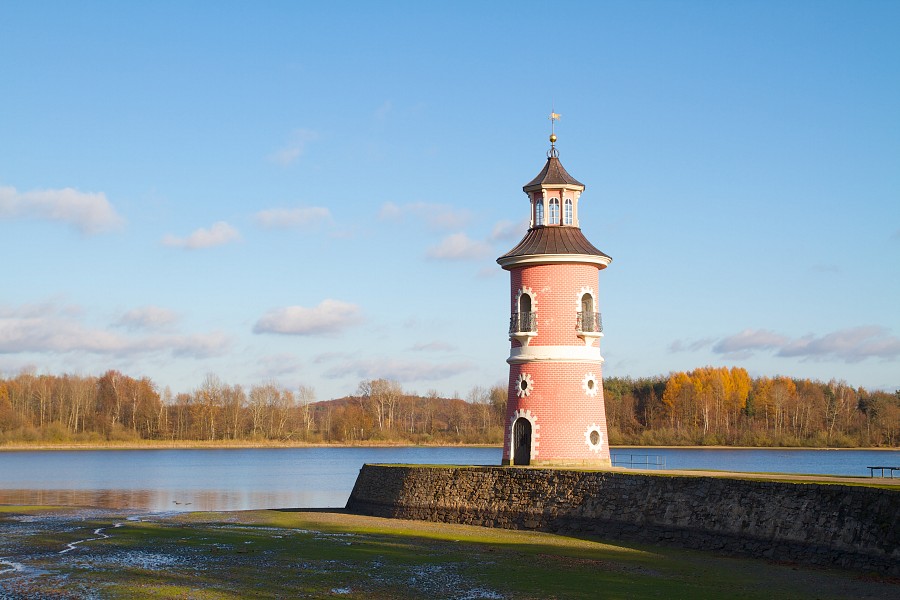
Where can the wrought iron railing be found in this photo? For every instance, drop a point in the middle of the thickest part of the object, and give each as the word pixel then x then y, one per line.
pixel 590 322
pixel 522 321
pixel 638 461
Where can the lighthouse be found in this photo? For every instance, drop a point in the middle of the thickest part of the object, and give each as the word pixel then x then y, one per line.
pixel 555 413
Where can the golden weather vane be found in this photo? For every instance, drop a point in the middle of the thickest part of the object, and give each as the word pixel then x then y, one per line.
pixel 554 116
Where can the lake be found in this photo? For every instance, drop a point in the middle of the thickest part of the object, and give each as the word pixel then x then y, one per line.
pixel 239 478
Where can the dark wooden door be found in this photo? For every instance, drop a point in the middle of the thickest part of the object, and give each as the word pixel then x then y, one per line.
pixel 522 442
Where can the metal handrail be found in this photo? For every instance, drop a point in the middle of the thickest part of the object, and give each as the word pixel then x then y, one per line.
pixel 522 321
pixel 632 461
pixel 589 322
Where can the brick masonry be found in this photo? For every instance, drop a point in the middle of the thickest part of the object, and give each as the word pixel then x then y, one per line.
pixel 562 411
pixel 825 524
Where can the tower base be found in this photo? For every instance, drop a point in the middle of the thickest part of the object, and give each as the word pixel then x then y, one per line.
pixel 594 463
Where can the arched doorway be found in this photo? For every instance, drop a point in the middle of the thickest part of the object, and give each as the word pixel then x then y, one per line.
pixel 522 441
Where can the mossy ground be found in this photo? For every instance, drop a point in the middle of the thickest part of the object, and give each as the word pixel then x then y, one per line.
pixel 321 554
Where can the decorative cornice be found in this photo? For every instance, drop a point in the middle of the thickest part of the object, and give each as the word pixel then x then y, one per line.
pixel 508 262
pixel 577 354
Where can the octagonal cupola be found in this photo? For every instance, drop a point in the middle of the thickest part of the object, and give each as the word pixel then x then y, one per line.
pixel 553 194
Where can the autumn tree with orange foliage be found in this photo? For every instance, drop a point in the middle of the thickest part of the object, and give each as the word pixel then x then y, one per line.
pixel 709 405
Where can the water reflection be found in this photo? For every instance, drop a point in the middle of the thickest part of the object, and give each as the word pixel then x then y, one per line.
pixel 239 479
pixel 203 479
pixel 172 500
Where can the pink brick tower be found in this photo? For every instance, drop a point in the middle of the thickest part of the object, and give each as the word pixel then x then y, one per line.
pixel 555 414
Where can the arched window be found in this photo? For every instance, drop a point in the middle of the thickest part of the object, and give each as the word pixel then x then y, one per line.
pixel 526 317
pixel 588 320
pixel 554 211
pixel 538 213
pixel 587 303
pixel 567 212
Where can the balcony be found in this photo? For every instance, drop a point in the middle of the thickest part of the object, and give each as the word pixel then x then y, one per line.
pixel 588 327
pixel 523 327
pixel 589 322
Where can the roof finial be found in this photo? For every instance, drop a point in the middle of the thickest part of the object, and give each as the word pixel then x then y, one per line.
pixel 554 116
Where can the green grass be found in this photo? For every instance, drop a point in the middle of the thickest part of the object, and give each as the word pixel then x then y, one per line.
pixel 276 554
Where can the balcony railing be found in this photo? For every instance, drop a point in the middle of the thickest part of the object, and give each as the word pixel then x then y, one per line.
pixel 589 322
pixel 522 321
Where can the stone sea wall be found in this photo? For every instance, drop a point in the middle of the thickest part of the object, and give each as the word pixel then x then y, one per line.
pixel 835 525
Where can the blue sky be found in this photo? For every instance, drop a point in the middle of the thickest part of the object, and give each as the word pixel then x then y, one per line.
pixel 316 193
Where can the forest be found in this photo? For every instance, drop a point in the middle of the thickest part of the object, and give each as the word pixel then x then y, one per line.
pixel 706 406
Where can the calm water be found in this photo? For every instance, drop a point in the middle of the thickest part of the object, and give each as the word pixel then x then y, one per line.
pixel 236 479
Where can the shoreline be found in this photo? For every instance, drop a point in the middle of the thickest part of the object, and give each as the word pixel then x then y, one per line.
pixel 238 445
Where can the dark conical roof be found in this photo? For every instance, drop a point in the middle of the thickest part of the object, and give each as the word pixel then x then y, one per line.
pixel 553 173
pixel 554 240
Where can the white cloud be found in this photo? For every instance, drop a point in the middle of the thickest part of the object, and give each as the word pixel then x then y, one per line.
pixel 329 317
pixel 220 233
pixel 404 371
pixel 508 231
pixel 279 218
pixel 294 148
pixel 87 212
pixel 437 346
pixel 147 317
pixel 277 365
pixel 435 216
pixel 850 345
pixel 749 340
pixel 57 330
pixel 459 246
pixel 685 346
pixel 390 212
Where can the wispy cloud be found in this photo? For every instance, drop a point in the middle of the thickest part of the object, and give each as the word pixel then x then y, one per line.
pixel 850 345
pixel 89 213
pixel 404 371
pixel 329 317
pixel 435 216
pixel 508 230
pixel 277 365
pixel 690 346
pixel 459 246
pixel 147 317
pixel 54 329
pixel 436 346
pixel 284 218
pixel 294 148
pixel 218 234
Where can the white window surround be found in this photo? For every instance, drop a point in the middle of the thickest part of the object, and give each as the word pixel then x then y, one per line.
pixel 590 384
pixel 587 336
pixel 531 418
pixel 524 337
pixel 568 212
pixel 525 290
pixel 579 295
pixel 597 433
pixel 524 385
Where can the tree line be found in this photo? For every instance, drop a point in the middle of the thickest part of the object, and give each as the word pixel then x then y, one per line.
pixel 706 406
pixel 721 406
pixel 116 407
